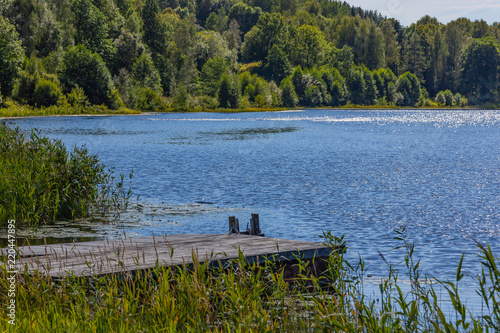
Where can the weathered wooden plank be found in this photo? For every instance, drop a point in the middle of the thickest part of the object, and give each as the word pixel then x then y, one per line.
pixel 128 255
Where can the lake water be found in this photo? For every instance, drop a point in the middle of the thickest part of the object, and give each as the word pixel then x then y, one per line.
pixel 355 172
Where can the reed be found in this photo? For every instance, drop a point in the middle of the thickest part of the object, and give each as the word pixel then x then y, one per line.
pixel 40 181
pixel 13 109
pixel 246 297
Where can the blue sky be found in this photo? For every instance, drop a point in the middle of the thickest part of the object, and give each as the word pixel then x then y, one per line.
pixel 409 11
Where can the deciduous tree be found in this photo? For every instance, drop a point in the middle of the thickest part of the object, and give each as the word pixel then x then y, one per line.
pixel 11 56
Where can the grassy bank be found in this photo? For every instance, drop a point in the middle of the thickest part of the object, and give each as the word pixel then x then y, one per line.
pixel 40 181
pixel 12 109
pixel 250 298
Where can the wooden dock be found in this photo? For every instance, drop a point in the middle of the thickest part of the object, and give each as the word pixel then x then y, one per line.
pixel 138 254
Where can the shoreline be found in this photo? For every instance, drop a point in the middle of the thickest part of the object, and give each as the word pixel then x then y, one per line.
pixel 249 110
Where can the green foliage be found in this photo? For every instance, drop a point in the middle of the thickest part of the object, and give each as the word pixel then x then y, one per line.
pixel 37 88
pixel 156 31
pixel 245 15
pixel 37 26
pixel 129 48
pixel 181 99
pixel 203 296
pixel 145 74
pixel 41 181
pixel 229 94
pixel 88 71
pixel 289 96
pixel 371 93
pixel 76 97
pixel 46 93
pixel 271 29
pixel 480 74
pixel 409 87
pixel 277 65
pixel 146 99
pixel 414 57
pixel 210 76
pixel 446 98
pixel 90 25
pixel 356 86
pixel 309 46
pixel 211 45
pixel 182 36
pixel 11 56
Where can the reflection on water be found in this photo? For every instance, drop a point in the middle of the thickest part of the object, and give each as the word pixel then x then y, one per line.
pixel 90 131
pixel 355 172
pixel 248 133
pixel 23 241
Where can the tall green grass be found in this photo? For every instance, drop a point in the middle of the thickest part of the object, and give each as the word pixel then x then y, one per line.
pixel 13 109
pixel 40 181
pixel 251 298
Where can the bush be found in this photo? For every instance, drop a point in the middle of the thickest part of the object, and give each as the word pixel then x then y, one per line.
pixel 204 103
pixel 146 99
pixel 288 95
pixel 229 91
pixel 459 100
pixel 76 97
pixel 46 93
pixel 181 99
pixel 87 70
pixel 409 87
pixel 440 98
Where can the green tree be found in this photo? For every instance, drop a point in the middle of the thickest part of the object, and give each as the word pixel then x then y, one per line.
pixel 370 96
pixel 277 65
pixel 11 56
pixel 289 96
pixel 90 25
pixel 391 46
pixel 298 81
pixel 229 91
pixel 87 70
pixel 211 44
pixel 309 46
pixel 245 15
pixel 342 59
pixel 217 21
pixel 145 74
pixel 480 77
pixel 37 26
pixel 408 86
pixel 454 37
pixel 445 98
pixel 271 29
pixel 210 75
pixel 356 85
pixel 436 73
pixel 233 35
pixel 46 93
pixel 414 58
pixel 129 47
pixel 335 84
pixel 374 49
pixel 155 32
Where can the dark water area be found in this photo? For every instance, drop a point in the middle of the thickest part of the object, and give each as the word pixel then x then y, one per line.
pixel 358 173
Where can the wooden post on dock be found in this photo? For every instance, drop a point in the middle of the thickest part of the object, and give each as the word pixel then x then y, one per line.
pixel 255 226
pixel 234 225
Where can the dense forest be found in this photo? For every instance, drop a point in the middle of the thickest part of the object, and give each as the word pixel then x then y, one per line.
pixel 206 54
